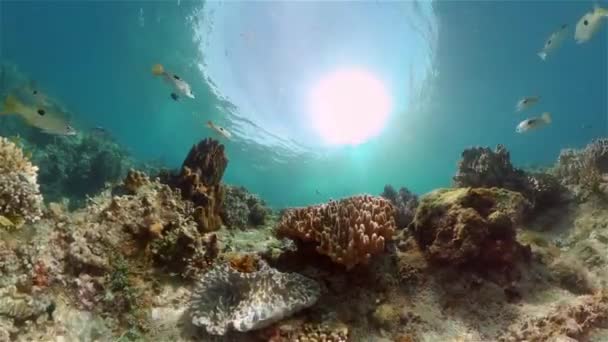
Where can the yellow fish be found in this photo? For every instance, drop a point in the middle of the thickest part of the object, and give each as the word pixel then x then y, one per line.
pixel 48 121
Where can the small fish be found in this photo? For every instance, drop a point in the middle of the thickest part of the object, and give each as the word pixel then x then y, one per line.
pixel 220 130
pixel 99 131
pixel 589 24
pixel 553 42
pixel 318 192
pixel 533 123
pixel 50 122
pixel 526 102
pixel 180 86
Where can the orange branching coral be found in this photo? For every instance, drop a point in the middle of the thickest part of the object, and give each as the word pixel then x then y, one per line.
pixel 349 231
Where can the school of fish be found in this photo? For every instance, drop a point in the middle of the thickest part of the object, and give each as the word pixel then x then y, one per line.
pixel 41 111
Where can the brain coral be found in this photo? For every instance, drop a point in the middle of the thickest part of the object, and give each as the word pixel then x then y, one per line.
pixel 20 198
pixel 227 299
pixel 349 231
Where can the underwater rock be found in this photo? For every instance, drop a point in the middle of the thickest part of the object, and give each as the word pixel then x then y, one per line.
pixel 480 167
pixel 405 203
pixel 470 226
pixel 81 165
pixel 226 299
pixel 242 208
pixel 20 199
pixel 349 231
pixel 584 171
pixel 199 181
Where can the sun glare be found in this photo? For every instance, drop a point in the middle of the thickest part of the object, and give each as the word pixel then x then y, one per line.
pixel 349 106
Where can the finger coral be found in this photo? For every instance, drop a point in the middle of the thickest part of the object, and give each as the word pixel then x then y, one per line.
pixel 20 199
pixel 349 231
pixel 226 299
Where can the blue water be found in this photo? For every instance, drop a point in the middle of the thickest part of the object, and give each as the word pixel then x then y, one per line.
pixel 454 69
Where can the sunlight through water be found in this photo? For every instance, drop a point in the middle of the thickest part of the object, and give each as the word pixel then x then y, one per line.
pixel 349 106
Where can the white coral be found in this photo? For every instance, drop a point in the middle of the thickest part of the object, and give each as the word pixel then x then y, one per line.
pixel 227 299
pixel 20 196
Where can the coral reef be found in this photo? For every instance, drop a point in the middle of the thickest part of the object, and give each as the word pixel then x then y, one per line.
pixel 481 167
pixel 20 199
pixel 241 208
pixel 80 165
pixel 469 226
pixel 227 299
pixel 584 171
pixel 199 182
pixel 405 203
pixel 297 330
pixel 155 219
pixel 567 322
pixel 349 231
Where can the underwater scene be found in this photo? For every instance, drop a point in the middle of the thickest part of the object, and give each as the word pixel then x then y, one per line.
pixel 304 171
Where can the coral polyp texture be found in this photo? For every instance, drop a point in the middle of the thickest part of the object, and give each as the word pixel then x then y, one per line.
pixel 482 167
pixel 469 226
pixel 242 208
pixel 199 181
pixel 20 199
pixel 405 203
pixel 227 299
pixel 349 231
pixel 584 171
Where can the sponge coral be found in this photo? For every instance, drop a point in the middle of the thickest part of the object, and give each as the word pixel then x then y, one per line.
pixel 349 231
pixel 227 299
pixel 20 199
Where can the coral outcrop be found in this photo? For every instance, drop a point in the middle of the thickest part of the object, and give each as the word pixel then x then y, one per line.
pixel 20 199
pixel 481 167
pixel 79 166
pixel 349 231
pixel 470 226
pixel 226 299
pixel 584 171
pixel 405 203
pixel 242 208
pixel 199 182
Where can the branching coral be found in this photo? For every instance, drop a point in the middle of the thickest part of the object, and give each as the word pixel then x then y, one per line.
pixel 349 231
pixel 78 166
pixel 480 167
pixel 227 299
pixel 470 226
pixel 20 199
pixel 584 170
pixel 405 203
pixel 241 208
